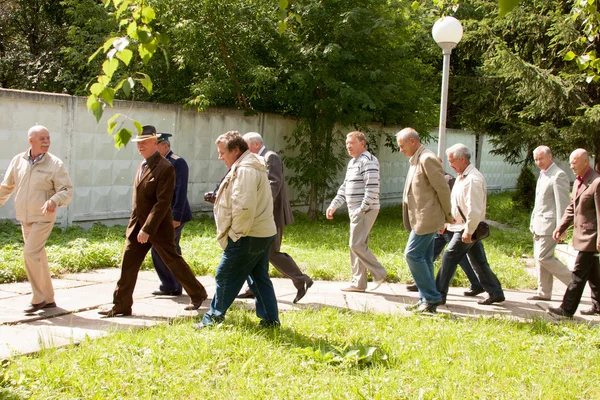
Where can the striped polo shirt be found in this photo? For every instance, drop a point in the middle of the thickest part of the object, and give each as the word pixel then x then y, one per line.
pixel 361 185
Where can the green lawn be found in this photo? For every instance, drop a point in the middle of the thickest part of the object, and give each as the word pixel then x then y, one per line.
pixel 321 354
pixel 320 247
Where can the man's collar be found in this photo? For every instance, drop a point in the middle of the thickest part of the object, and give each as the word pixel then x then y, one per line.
pixel 153 157
pixel 415 157
pixel 467 170
pixel 262 150
pixel 544 171
pixel 585 176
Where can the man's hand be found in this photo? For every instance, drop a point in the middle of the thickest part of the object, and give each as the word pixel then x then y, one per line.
pixel 329 212
pixel 557 236
pixel 441 231
pixel 466 237
pixel 176 224
pixel 49 207
pixel 142 237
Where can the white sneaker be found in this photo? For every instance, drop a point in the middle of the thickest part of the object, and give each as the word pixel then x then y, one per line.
pixel 376 284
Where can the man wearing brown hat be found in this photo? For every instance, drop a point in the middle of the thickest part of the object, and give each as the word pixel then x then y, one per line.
pixel 151 224
pixel 182 213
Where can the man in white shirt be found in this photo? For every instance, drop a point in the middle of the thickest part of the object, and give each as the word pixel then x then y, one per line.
pixel 469 196
pixel 551 200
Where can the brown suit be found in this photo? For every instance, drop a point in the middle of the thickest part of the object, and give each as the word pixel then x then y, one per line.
pixel 282 213
pixel 584 213
pixel 151 213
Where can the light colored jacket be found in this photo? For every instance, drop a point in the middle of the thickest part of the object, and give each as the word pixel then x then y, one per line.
pixel 470 194
pixel 426 207
pixel 551 200
pixel 244 203
pixel 34 185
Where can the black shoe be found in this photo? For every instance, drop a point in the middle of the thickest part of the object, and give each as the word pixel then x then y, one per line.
pixel 195 306
pixel 50 305
pixel 302 290
pixel 558 312
pixel 430 308
pixel 36 307
pixel 167 293
pixel 412 288
pixel 539 298
pixel 269 324
pixel 115 313
pixel 474 292
pixel 491 300
pixel 590 311
pixel 246 295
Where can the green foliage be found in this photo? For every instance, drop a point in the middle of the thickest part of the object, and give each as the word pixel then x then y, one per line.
pixel 467 357
pixel 524 195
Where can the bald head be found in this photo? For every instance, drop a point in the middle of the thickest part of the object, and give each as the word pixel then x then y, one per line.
pixel 580 162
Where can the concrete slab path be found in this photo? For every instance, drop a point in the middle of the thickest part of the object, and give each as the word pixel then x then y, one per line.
pixel 79 296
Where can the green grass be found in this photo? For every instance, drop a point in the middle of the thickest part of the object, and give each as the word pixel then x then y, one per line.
pixel 320 247
pixel 320 354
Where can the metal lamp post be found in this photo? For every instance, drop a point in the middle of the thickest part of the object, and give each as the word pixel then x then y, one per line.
pixel 447 32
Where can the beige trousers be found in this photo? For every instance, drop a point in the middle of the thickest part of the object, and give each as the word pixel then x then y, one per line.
pixel 35 235
pixel 361 257
pixel 548 266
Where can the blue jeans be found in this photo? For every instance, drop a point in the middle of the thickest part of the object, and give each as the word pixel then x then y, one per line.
pixel 455 252
pixel 439 243
pixel 246 258
pixel 419 256
pixel 168 282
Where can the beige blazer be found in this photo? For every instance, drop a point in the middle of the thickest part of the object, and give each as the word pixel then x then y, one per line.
pixel 584 213
pixel 426 206
pixel 551 200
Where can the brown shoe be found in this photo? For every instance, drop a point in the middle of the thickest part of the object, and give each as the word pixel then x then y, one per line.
pixel 36 307
pixel 352 289
pixel 590 311
pixel 195 306
pixel 115 313
pixel 246 295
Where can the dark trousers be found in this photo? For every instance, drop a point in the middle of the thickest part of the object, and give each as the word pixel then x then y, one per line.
pixel 134 255
pixel 248 258
pixel 440 242
pixel 587 269
pixel 455 252
pixel 168 282
pixel 284 263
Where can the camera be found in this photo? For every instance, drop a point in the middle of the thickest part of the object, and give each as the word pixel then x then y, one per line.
pixel 210 197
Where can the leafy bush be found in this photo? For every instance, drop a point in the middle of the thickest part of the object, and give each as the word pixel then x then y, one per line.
pixel 524 196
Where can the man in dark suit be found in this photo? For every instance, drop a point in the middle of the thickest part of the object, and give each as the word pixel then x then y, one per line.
pixel 282 212
pixel 182 213
pixel 151 224
pixel 584 213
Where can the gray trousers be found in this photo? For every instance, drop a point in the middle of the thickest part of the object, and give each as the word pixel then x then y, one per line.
pixel 548 265
pixel 361 257
pixel 285 264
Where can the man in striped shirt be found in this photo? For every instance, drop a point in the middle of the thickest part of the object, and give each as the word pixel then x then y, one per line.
pixel 360 191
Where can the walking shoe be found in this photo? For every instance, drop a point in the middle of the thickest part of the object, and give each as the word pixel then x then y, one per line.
pixel 539 298
pixel 302 290
pixel 473 292
pixel 412 287
pixel 115 313
pixel 491 300
pixel 590 311
pixel 167 292
pixel 269 324
pixel 246 295
pixel 558 313
pixel 412 307
pixel 377 283
pixel 430 308
pixel 36 307
pixel 353 289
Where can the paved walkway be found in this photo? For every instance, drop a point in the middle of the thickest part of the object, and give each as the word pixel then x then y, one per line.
pixel 80 295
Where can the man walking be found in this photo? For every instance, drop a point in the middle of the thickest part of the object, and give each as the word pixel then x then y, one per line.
pixel 282 212
pixel 469 197
pixel 151 224
pixel 551 200
pixel 360 191
pixel 426 209
pixel 180 208
pixel 42 183
pixel 584 213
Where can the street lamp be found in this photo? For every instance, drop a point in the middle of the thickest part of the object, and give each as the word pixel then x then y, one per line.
pixel 447 32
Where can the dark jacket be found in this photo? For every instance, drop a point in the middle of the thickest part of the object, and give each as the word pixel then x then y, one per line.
pixel 180 205
pixel 282 211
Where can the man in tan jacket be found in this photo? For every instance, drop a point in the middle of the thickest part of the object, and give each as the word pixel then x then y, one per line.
pixel 426 208
pixel 41 183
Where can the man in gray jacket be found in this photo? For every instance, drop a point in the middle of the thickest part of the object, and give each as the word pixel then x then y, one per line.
pixel 41 184
pixel 551 200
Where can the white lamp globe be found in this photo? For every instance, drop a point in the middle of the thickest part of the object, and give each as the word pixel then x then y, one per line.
pixel 447 30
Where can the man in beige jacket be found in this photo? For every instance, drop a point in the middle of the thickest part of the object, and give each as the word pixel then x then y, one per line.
pixel 41 183
pixel 245 230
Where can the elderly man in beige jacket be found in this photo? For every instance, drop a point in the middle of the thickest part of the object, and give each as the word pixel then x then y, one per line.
pixel 245 230
pixel 41 184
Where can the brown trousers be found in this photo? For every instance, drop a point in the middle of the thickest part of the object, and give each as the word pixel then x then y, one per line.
pixel 35 235
pixel 134 255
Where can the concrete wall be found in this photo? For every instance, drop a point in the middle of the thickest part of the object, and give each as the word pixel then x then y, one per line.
pixel 102 175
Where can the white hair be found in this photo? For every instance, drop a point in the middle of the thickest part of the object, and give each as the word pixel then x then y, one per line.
pixel 459 150
pixel 35 129
pixel 408 133
pixel 542 149
pixel 253 137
